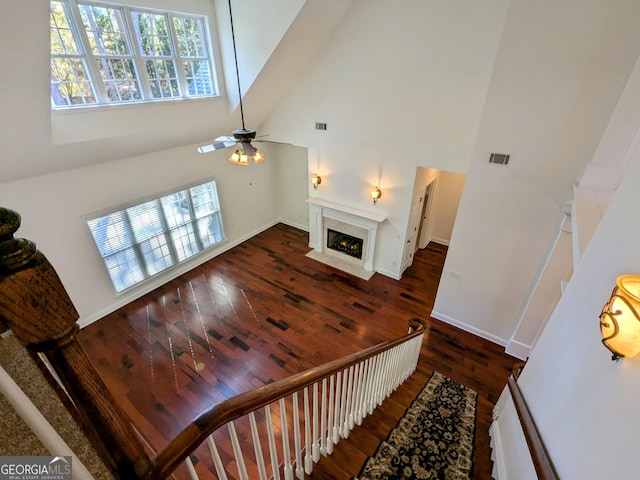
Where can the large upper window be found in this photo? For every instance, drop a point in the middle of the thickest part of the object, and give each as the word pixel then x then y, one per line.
pixel 144 239
pixel 105 54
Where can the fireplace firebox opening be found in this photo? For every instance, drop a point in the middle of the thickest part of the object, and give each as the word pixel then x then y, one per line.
pixel 344 243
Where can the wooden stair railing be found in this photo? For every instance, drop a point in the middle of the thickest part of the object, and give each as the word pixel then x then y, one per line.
pixel 345 390
pixel 38 310
pixel 539 455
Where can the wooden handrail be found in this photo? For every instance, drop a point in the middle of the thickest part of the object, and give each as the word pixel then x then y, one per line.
pixel 233 408
pixel 541 460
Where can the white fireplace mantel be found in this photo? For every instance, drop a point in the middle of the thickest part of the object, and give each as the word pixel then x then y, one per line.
pixel 322 209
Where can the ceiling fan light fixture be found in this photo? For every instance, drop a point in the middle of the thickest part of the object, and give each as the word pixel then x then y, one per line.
pixel 240 157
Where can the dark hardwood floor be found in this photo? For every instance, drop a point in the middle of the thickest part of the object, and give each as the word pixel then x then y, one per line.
pixel 263 311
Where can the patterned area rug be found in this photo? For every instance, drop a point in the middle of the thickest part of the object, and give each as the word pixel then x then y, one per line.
pixel 434 438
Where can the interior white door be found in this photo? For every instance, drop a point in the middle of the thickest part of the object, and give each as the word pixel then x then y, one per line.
pixel 413 227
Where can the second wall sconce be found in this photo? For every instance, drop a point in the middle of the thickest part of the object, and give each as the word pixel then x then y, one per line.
pixel 376 194
pixel 316 180
pixel 620 318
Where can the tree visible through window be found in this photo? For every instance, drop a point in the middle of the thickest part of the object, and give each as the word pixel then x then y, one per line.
pixel 142 240
pixel 116 54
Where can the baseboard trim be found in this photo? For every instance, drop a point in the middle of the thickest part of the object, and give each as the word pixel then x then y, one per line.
pixel 299 226
pixel 441 241
pixel 388 273
pixel 518 350
pixel 468 328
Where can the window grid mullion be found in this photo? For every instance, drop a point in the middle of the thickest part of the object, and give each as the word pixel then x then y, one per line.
pixel 182 76
pixel 194 222
pixel 90 61
pixel 165 227
pixel 137 250
pixel 138 58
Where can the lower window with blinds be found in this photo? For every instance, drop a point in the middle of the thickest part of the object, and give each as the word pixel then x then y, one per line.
pixel 143 240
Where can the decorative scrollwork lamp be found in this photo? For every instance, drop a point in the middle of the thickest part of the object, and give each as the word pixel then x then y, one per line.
pixel 620 318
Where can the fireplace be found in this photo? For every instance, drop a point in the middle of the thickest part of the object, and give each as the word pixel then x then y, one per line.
pixel 357 232
pixel 342 242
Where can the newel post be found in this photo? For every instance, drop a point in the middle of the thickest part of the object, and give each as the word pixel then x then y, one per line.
pixel 37 308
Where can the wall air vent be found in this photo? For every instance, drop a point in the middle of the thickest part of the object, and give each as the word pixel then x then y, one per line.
pixel 321 126
pixel 499 158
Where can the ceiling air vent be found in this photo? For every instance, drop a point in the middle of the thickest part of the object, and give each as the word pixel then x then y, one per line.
pixel 321 126
pixel 499 158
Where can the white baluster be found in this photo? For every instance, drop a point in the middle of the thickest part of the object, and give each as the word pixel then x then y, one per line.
pixel 308 459
pixel 217 462
pixel 380 379
pixel 287 469
pixel 192 471
pixel 387 374
pixel 406 361
pixel 373 377
pixel 392 370
pixel 348 417
pixel 395 367
pixel 257 447
pixel 273 452
pixel 362 385
pixel 418 347
pixel 330 425
pixel 237 452
pixel 337 413
pixel 316 445
pixel 343 406
pixel 353 387
pixel 323 418
pixel 297 446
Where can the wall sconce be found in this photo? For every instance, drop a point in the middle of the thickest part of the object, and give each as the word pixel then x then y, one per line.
pixel 316 180
pixel 376 194
pixel 620 318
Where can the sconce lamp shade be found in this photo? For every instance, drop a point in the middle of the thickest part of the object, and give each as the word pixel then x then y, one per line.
pixel 316 180
pixel 376 194
pixel 246 155
pixel 620 318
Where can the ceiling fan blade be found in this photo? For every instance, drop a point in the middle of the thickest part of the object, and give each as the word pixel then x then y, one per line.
pixel 217 145
pixel 227 139
pixel 273 141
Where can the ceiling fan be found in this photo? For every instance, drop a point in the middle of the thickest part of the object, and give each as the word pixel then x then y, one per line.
pixel 245 153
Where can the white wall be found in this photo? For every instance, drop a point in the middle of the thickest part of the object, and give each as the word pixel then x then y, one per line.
pixel 399 85
pixel 559 72
pixel 444 209
pixel 53 206
pixel 446 192
pixel 293 185
pixel 583 403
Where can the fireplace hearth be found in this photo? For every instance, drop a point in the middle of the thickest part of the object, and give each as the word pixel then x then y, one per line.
pixel 342 242
pixel 354 252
